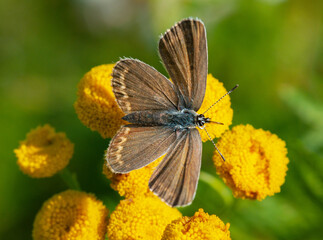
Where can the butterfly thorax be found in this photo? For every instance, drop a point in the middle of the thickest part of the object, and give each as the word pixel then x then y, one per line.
pixel 178 119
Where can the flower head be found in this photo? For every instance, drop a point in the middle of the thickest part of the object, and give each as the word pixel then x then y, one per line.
pixel 44 152
pixel 96 106
pixel 201 226
pixel 140 218
pixel 134 183
pixel 71 215
pixel 256 162
pixel 221 112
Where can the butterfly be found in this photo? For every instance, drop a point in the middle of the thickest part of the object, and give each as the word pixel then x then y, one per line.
pixel 163 113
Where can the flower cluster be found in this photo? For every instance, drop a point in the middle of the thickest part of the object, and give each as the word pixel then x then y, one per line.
pixel 71 215
pixel 256 162
pixel 44 152
pixel 255 167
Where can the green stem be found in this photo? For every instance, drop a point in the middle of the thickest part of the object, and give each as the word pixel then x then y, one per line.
pixel 218 186
pixel 70 179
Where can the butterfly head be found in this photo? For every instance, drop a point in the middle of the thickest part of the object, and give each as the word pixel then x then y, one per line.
pixel 201 120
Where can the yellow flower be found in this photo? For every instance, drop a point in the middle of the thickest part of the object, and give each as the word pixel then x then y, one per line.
pixel 256 162
pixel 96 106
pixel 201 226
pixel 71 215
pixel 140 218
pixel 44 152
pixel 221 112
pixel 134 183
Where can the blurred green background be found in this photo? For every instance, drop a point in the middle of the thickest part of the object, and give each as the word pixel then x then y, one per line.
pixel 272 48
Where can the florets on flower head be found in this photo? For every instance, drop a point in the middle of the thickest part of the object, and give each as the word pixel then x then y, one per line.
pixel 71 215
pixel 96 106
pixel 44 152
pixel 256 162
pixel 140 218
pixel 134 183
pixel 201 226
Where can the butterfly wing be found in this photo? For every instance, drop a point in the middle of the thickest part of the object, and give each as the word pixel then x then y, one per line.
pixel 134 147
pixel 175 178
pixel 183 49
pixel 138 87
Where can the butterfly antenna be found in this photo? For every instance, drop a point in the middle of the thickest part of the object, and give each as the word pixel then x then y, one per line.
pixel 222 97
pixel 215 122
pixel 214 144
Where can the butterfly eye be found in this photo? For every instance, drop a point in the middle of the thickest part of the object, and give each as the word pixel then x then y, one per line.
pixel 200 117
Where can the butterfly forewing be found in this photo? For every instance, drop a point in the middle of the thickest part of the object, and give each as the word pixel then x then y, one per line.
pixel 175 178
pixel 134 147
pixel 139 87
pixel 183 49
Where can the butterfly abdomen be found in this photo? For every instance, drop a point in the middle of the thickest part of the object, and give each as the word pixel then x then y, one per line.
pixel 176 119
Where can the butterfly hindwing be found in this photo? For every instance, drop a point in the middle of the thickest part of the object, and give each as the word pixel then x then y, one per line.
pixel 183 49
pixel 134 147
pixel 139 87
pixel 175 178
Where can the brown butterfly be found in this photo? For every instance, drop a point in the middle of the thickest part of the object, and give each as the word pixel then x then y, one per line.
pixel 163 114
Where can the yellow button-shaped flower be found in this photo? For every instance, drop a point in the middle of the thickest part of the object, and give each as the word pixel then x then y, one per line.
pixel 140 218
pixel 201 226
pixel 44 152
pixel 256 162
pixel 96 106
pixel 71 215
